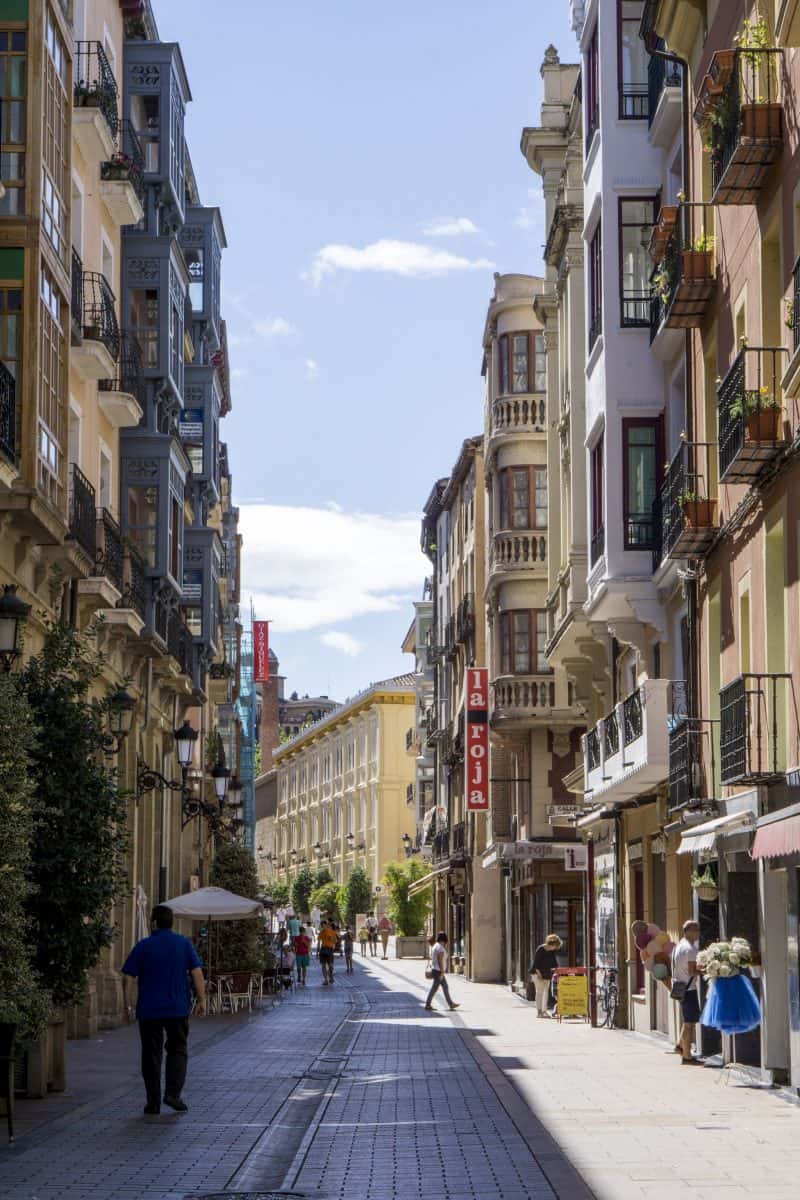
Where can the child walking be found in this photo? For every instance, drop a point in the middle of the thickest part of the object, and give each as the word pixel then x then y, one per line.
pixel 363 938
pixel 347 945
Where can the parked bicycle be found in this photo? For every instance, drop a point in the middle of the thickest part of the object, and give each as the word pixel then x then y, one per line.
pixel 607 999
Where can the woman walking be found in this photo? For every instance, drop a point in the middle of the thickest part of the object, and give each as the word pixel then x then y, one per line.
pixel 438 969
pixel 384 931
pixel 347 945
pixel 302 951
pixel 545 961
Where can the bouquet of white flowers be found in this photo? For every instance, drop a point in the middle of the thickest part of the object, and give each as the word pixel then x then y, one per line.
pixel 722 960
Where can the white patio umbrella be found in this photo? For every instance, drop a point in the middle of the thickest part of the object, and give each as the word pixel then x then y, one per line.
pixel 215 904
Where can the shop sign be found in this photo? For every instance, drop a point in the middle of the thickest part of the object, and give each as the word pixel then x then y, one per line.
pixel 561 814
pixel 576 858
pixel 573 996
pixel 476 750
pixel 261 651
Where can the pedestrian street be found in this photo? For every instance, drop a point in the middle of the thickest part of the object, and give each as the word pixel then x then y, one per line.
pixel 355 1090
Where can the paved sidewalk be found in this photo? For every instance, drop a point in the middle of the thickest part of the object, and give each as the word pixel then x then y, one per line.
pixel 356 1090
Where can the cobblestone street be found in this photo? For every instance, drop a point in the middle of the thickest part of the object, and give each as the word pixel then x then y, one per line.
pixel 356 1090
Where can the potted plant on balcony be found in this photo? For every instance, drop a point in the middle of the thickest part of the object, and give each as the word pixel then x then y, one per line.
pixel 696 261
pixel 704 885
pixel 118 167
pixel 761 413
pixel 698 510
pixel 761 116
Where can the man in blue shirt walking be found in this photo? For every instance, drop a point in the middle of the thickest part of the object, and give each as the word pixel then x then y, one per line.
pixel 161 965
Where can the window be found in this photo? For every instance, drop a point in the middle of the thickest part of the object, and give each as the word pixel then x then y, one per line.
pixel 175 539
pixel 191 431
pixel 13 77
pixel 522 363
pixel 337 761
pixel 10 350
pixel 105 493
pixel 143 520
pixel 143 323
pixel 314 771
pixel 636 219
pixel 195 265
pixel 642 458
pixel 632 62
pixel 523 498
pixel 596 485
pixel 146 120
pixel 351 754
pixel 52 389
pixel 592 89
pixel 326 767
pixel 55 140
pixel 595 286
pixel 523 635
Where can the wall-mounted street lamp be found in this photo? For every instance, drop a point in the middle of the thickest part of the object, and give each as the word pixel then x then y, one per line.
pixel 148 779
pixel 13 615
pixel 121 707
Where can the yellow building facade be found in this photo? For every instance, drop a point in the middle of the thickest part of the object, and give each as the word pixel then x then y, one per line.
pixel 343 787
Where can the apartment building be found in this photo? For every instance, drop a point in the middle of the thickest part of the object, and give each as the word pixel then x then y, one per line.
pixel 111 486
pixel 465 897
pixel 418 641
pixel 342 787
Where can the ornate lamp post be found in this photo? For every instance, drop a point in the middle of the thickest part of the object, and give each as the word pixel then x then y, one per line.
pixel 147 779
pixel 13 615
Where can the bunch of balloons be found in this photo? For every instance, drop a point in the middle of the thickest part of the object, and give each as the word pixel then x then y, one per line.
pixel 655 949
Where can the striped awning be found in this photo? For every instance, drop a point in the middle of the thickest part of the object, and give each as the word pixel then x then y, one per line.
pixel 704 837
pixel 778 836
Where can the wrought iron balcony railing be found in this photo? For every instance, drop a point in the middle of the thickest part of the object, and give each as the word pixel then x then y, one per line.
pixel 684 276
pixel 410 738
pixel 127 163
pixel 129 377
pixel 753 714
pixel 136 583
pixel 441 845
pixel 76 297
pixel 751 415
pixel 8 415
pixel 632 717
pixel 180 644
pixel 458 839
pixel 684 513
pixel 109 555
pixel 94 85
pixel 99 318
pixel 450 639
pixel 465 618
pixel 794 315
pixel 82 511
pixel 409 793
pixel 661 74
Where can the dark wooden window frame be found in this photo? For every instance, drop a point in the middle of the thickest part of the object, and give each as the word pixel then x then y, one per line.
pixel 643 97
pixel 506 622
pixel 592 89
pixel 505 496
pixel 505 344
pixel 635 321
pixel 629 423
pixel 596 486
pixel 595 285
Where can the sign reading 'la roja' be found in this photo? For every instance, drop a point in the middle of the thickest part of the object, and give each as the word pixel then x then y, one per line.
pixel 477 739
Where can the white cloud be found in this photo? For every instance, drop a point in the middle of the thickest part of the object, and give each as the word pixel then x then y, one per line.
pixel 312 370
pixel 345 643
pixel 312 568
pixel 449 227
pixel 530 215
pixel 408 259
pixel 275 327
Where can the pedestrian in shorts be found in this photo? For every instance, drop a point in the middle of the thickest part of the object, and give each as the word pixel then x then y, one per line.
pixel 327 945
pixel 347 946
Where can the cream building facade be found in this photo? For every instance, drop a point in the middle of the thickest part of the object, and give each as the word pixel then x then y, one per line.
pixel 343 787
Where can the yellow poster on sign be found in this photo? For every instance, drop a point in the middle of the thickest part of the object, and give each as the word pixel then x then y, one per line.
pixel 573 996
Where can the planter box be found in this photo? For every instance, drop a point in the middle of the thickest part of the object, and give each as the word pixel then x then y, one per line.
pixel 45 1061
pixel 762 122
pixel 411 947
pixel 699 514
pixel 696 265
pixel 764 425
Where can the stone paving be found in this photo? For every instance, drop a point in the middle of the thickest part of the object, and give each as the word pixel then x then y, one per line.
pixel 355 1090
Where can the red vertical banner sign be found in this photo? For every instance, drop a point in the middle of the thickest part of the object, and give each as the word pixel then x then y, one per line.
pixel 477 739
pixel 260 651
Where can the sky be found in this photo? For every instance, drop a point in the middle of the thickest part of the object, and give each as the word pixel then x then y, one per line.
pixel 366 160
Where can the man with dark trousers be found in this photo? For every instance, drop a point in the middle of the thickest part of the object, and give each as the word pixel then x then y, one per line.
pixel 161 965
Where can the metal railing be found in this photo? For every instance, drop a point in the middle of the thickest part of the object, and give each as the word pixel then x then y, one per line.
pixel 593 748
pixel 94 85
pixel 99 317
pixel 611 734
pixel 409 793
pixel 748 107
pixel 180 644
pixel 76 296
pixel 633 101
pixel 794 317
pixel 636 310
pixel 127 162
pixel 691 744
pixel 465 618
pixel 458 838
pixel 136 583
pixel 109 554
pixel 752 720
pixel 441 845
pixel 686 476
pixel 750 403
pixel 129 377
pixel 661 74
pixel 8 414
pixel 687 259
pixel 82 511
pixel 632 717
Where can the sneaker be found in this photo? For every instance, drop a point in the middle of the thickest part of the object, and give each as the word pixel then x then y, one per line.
pixel 152 1110
pixel 454 1006
pixel 428 1008
pixel 176 1103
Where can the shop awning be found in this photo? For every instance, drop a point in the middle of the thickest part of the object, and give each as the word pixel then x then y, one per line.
pixel 778 835
pixel 704 837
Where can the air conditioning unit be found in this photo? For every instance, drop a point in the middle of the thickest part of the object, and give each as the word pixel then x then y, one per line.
pixel 194 883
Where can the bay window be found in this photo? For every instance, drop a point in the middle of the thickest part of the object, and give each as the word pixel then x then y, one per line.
pixel 596 482
pixel 632 62
pixel 642 456
pixel 523 635
pixel 595 286
pixel 523 498
pixel 636 219
pixel 522 367
pixel 591 89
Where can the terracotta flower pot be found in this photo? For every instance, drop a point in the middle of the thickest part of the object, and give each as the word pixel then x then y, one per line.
pixel 761 122
pixel 699 513
pixel 764 425
pixel 696 264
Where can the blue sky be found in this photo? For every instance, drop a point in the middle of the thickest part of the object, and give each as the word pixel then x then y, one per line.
pixel 366 160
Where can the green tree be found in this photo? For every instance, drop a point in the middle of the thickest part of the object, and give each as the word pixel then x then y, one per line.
pixel 79 842
pixel 22 1001
pixel 241 948
pixel 327 900
pixel 322 877
pixel 279 893
pixel 358 895
pixel 408 913
pixel 302 887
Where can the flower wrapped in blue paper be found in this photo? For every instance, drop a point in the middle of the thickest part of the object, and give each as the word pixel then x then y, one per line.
pixel 732 1005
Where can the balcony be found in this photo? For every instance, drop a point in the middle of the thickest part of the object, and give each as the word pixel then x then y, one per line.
pixel 95 117
pixel 450 639
pixel 409 793
pixel 522 698
pixel 8 422
pixel 82 512
pixel 751 415
pixel 519 550
pixel 627 753
pixel 122 177
pixel 412 741
pixel 684 279
pixel 753 711
pixel 180 645
pixel 95 332
pixel 110 554
pixel 441 846
pixel 519 414
pixel 465 619
pixel 684 514
pixel 121 398
pixel 740 112
pixel 664 99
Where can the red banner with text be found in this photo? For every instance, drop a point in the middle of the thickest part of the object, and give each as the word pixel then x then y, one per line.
pixel 260 651
pixel 477 739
